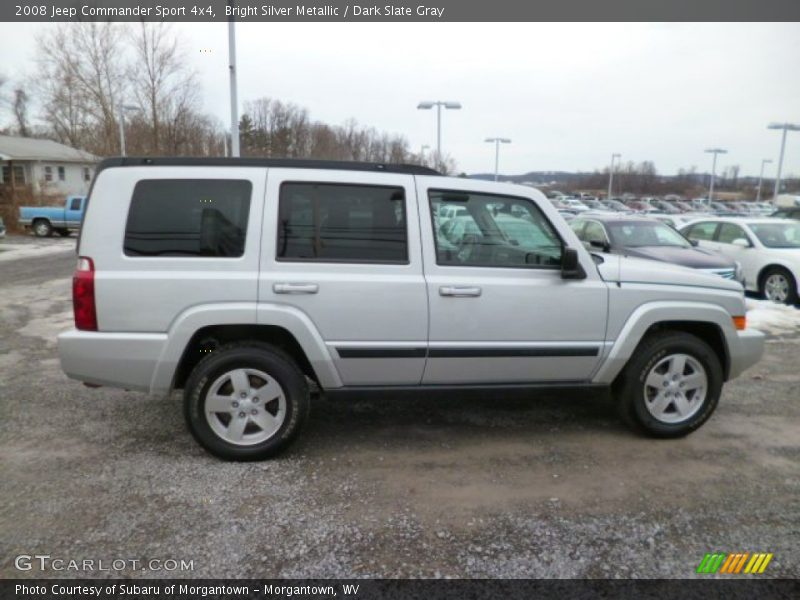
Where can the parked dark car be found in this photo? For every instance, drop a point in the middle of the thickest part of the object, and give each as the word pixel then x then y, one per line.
pixel 787 213
pixel 649 238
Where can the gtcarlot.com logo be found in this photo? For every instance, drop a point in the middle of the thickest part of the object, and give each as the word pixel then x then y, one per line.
pixel 741 563
pixel 46 562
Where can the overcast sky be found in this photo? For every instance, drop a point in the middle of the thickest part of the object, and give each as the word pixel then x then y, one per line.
pixel 568 95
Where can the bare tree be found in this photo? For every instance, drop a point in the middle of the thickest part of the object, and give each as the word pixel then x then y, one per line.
pixel 80 79
pixel 163 87
pixel 21 112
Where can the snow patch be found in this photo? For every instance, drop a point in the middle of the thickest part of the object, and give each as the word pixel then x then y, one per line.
pixel 20 251
pixel 772 318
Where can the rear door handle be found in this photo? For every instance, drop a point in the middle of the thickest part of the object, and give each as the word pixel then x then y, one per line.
pixel 295 288
pixel 460 291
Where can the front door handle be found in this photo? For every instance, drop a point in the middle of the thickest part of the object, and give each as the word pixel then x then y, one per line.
pixel 460 291
pixel 295 288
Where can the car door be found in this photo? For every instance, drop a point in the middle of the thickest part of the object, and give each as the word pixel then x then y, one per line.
pixel 343 248
pixel 74 212
pixel 500 312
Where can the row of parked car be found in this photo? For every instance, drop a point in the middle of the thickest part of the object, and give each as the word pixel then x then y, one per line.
pixel 762 253
pixel 573 205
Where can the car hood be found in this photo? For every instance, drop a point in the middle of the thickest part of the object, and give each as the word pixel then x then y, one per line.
pixel 697 258
pixel 624 269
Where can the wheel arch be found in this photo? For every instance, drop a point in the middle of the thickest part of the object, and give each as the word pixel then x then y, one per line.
pixel 201 329
pixel 709 322
pixel 773 265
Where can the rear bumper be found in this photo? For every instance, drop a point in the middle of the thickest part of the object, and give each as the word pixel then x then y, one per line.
pixel 746 351
pixel 123 360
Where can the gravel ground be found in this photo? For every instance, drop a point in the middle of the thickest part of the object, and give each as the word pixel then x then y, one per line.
pixel 551 486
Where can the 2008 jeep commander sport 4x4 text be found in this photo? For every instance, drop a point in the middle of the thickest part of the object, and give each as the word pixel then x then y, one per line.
pixel 248 282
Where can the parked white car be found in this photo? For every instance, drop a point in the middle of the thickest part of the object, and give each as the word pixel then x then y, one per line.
pixel 768 250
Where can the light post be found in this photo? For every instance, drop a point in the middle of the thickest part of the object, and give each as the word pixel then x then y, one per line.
pixel 422 153
pixel 233 89
pixel 715 152
pixel 497 141
pixel 785 127
pixel 123 108
pixel 611 174
pixel 427 105
pixel 760 178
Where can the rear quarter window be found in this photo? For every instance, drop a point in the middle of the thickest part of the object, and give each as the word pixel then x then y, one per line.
pixel 188 217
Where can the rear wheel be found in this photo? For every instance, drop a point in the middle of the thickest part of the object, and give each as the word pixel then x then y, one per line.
pixel 671 386
pixel 778 285
pixel 42 228
pixel 246 401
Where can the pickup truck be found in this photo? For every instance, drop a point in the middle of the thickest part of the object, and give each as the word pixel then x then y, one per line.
pixel 44 220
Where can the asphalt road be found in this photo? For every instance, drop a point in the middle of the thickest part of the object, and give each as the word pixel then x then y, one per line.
pixel 551 486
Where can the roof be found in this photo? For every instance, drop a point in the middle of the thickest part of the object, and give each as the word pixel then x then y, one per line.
pixel 20 148
pixel 745 220
pixel 614 217
pixel 288 163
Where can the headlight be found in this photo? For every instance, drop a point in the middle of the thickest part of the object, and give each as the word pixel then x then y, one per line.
pixel 737 272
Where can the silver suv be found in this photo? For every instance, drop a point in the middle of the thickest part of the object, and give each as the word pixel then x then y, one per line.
pixel 250 283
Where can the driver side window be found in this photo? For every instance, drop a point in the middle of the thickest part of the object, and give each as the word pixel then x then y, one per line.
pixel 484 230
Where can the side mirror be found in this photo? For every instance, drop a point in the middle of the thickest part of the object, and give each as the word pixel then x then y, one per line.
pixel 570 265
pixel 602 246
pixel 694 243
pixel 741 242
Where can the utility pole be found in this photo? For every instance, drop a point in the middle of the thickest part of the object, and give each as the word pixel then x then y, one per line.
pixel 497 141
pixel 785 127
pixel 760 178
pixel 234 99
pixel 611 175
pixel 715 152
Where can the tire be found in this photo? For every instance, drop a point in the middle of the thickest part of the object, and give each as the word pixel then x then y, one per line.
pixel 247 426
pixel 650 397
pixel 64 232
pixel 42 228
pixel 778 285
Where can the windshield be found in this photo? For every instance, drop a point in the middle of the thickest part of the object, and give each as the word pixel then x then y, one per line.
pixel 777 235
pixel 633 234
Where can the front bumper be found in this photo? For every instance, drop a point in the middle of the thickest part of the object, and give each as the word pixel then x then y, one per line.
pixel 123 360
pixel 746 351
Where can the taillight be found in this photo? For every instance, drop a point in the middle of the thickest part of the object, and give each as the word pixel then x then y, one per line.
pixel 83 295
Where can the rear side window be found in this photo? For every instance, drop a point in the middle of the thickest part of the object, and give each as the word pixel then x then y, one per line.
pixel 188 217
pixel 342 223
pixel 702 231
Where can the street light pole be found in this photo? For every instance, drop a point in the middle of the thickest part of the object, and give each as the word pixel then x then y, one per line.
pixel 233 92
pixel 611 175
pixel 122 108
pixel 761 178
pixel 427 105
pixel 715 152
pixel 785 127
pixel 497 141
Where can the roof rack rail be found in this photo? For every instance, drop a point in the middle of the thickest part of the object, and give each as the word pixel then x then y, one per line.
pixel 291 163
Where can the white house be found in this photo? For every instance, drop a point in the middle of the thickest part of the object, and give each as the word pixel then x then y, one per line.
pixel 48 167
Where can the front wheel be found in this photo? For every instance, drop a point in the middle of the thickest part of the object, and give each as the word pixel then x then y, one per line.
pixel 42 228
pixel 246 401
pixel 778 285
pixel 671 386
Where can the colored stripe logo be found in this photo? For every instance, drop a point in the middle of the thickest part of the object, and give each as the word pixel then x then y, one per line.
pixel 734 564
